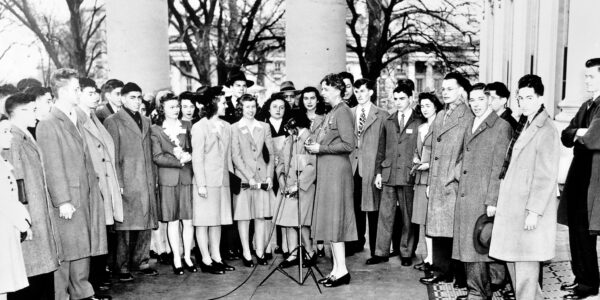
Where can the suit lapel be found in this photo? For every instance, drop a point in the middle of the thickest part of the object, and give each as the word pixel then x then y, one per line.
pixel 68 124
pixel 129 122
pixel 453 118
pixel 245 130
pixel 487 123
pixel 528 133
pixel 27 141
pixel 371 117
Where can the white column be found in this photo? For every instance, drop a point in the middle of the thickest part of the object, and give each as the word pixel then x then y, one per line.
pixel 546 54
pixel 486 39
pixel 519 58
pixel 315 40
pixel 429 83
pixel 499 43
pixel 411 71
pixel 137 42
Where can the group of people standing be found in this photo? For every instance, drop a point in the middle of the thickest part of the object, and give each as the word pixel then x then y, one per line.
pixel 93 173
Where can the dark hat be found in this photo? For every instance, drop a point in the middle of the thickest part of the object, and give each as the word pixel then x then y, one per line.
pixel 482 234
pixel 130 87
pixel 238 76
pixel 461 80
pixel 594 62
pixel 209 94
pixel 288 86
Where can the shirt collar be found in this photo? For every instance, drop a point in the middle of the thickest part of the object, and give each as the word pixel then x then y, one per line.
pixel 249 123
pixel 132 113
pixel 484 116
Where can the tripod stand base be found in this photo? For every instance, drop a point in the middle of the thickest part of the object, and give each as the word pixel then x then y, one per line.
pixel 301 279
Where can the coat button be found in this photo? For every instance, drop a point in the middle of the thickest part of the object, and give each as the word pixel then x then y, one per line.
pixel 468 149
pixel 462 195
pixel 465 172
pixel 99 146
pixel 436 158
pixel 103 160
pixel 439 139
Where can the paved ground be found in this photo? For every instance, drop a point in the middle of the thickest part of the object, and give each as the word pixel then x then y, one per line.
pixel 384 281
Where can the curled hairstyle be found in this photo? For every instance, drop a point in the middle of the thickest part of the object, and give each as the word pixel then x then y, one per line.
pixel 321 108
pixel 532 81
pixel 159 118
pixel 265 112
pixel 61 77
pixel 240 104
pixel 431 97
pixel 336 81
pixel 211 106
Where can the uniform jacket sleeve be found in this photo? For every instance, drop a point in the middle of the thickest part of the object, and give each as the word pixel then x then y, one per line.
pixel 568 134
pixel 161 157
pixel 198 141
pixel 345 127
pixel 591 139
pixel 236 154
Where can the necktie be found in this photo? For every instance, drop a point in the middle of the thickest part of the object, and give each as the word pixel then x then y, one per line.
pixel 401 122
pixel 361 121
pixel 448 112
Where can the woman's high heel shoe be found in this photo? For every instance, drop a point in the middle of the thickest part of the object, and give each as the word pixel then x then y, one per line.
pixel 190 268
pixel 212 269
pixel 335 282
pixel 262 261
pixel 223 266
pixel 176 270
pixel 321 252
pixel 324 279
pixel 247 262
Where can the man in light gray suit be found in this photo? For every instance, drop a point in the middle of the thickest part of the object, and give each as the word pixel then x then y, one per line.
pixel 369 123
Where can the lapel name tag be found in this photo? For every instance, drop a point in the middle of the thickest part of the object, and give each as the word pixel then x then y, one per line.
pixel 244 130
pixel 409 131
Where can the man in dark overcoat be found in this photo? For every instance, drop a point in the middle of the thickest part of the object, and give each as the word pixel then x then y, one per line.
pixel 484 147
pixel 448 130
pixel 579 201
pixel 130 132
pixel 73 188
pixel 397 144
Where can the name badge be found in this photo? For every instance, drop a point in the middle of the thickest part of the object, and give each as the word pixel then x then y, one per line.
pixel 409 131
pixel 244 130
pixel 182 131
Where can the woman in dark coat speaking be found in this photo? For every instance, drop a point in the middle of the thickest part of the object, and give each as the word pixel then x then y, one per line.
pixel 333 215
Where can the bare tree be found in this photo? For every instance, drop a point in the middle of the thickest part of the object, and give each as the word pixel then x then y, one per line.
pixel 76 43
pixel 383 31
pixel 236 33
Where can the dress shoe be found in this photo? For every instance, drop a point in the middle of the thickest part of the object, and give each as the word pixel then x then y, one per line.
pixel 285 255
pixel 578 294
pixel 262 261
pixel 335 282
pixel 230 255
pixel 103 287
pixel 268 256
pixel 165 258
pixel 153 254
pixel 211 269
pixel 394 253
pixel 569 286
pixel 99 297
pixel 288 263
pixel 406 261
pixel 247 262
pixel 190 268
pixel 376 260
pixel 125 277
pixel 324 279
pixel 177 271
pixel 459 285
pixel 508 295
pixel 312 261
pixel 424 266
pixel 278 250
pixel 432 279
pixel 321 252
pixel 148 272
pixel 223 266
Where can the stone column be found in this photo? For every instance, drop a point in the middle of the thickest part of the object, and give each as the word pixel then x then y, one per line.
pixel 315 40
pixel 137 42
pixel 429 82
pixel 411 71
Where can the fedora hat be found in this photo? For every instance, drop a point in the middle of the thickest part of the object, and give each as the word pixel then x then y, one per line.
pixel 209 93
pixel 238 76
pixel 287 86
pixel 482 234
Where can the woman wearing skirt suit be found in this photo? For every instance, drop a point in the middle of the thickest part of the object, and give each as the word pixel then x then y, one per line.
pixel 296 187
pixel 171 153
pixel 249 137
pixel 333 216
pixel 211 159
pixel 429 105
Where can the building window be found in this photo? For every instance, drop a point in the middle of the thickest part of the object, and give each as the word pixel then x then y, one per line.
pixel 419 84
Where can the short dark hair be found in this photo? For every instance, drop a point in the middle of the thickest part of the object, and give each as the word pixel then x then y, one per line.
pixel 26 83
pixel 404 88
pixel 16 100
pixel 240 104
pixel 321 108
pixel 406 81
pixel 130 87
pixel 60 77
pixel 265 113
pixel 187 95
pixel 336 81
pixel 500 89
pixel 38 91
pixel 347 75
pixel 85 82
pixel 3 117
pixel 366 82
pixel 460 80
pixel 478 87
pixel 110 85
pixel 532 81
pixel 7 89
pixel 159 118
pixel 593 62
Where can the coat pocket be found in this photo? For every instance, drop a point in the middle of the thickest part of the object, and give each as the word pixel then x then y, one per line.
pixel 386 170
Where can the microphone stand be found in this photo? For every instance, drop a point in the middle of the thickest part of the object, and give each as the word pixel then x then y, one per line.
pixel 301 251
